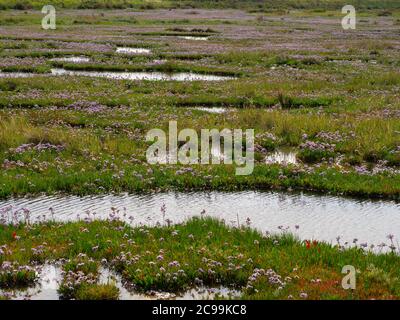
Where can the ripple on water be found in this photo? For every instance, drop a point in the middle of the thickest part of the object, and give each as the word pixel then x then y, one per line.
pixel 319 217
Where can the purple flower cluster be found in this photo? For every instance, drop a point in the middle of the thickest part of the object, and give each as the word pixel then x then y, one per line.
pixel 266 136
pixel 39 250
pixel 331 136
pixel 184 171
pixel 21 62
pixel 13 269
pixel 41 147
pixel 72 279
pixel 317 146
pixel 125 258
pixel 7 164
pixel 380 168
pixel 273 278
pixel 88 106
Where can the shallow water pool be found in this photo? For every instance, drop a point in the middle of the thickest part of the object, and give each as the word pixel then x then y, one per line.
pixel 151 76
pixel 318 217
pixel 129 50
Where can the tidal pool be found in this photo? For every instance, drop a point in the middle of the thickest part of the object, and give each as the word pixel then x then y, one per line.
pixel 193 38
pixel 45 288
pixel 129 50
pixel 318 217
pixel 197 293
pixel 18 74
pixel 74 59
pixel 218 110
pixel 50 278
pixel 282 156
pixel 152 76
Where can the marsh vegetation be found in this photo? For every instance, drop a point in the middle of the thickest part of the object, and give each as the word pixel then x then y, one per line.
pixel 327 95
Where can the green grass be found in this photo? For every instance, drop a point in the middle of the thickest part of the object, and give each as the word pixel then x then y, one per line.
pixel 285 88
pixel 292 92
pixel 16 276
pixel 255 5
pixel 205 251
pixel 74 286
pixel 83 134
pixel 27 69
pixel 97 292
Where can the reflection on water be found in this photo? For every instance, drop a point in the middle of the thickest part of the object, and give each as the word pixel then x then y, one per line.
pixel 50 277
pixel 211 110
pixel 72 59
pixel 282 156
pixel 193 38
pixel 217 154
pixel 318 217
pixel 44 289
pixel 128 50
pixel 198 293
pixel 18 74
pixel 159 61
pixel 154 76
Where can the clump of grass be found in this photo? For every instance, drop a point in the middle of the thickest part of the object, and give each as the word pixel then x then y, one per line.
pixel 376 278
pixel 296 63
pixel 27 69
pixel 315 156
pixel 287 102
pixel 268 141
pixel 97 292
pixel 51 45
pixel 80 278
pixel 82 264
pixel 14 275
pixel 313 152
pixel 8 85
pixel 393 158
pixel 374 156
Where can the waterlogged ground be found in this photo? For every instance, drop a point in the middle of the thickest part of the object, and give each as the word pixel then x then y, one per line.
pixel 50 276
pixel 329 96
pixel 76 104
pixel 110 260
